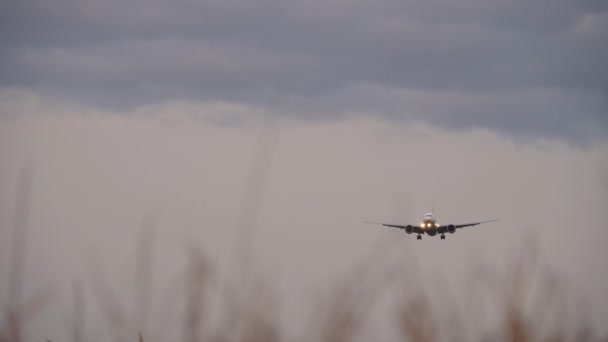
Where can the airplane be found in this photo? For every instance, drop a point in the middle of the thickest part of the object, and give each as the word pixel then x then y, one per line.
pixel 430 226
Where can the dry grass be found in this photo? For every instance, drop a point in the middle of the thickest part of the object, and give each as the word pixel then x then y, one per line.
pixel 344 313
pixel 250 313
pixel 19 309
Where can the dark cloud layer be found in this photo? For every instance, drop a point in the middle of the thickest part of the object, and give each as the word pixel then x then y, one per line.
pixel 510 65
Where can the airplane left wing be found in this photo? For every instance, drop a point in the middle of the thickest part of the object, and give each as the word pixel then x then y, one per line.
pixel 415 229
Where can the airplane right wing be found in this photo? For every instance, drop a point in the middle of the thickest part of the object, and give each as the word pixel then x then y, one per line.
pixel 472 224
pixel 446 228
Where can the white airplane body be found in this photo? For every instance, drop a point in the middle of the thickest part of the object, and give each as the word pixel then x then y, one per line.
pixel 430 226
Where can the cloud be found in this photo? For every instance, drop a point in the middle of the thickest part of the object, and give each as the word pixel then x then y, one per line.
pixel 507 65
pixel 99 173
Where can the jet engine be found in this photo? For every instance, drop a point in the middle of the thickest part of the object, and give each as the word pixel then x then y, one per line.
pixel 451 229
pixel 409 229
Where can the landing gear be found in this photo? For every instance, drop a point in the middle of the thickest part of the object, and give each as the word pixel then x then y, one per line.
pixel 419 237
pixel 442 237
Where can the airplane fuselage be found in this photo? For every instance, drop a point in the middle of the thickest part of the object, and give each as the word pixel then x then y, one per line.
pixel 429 224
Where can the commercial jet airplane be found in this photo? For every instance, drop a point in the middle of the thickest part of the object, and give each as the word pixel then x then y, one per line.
pixel 430 226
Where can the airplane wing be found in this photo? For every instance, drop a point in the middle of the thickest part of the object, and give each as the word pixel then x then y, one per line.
pixel 445 229
pixel 415 229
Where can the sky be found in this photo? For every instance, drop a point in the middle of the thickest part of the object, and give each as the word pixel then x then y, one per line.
pixel 288 124
pixel 506 65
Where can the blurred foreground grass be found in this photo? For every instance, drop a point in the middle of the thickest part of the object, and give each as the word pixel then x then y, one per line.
pixel 530 297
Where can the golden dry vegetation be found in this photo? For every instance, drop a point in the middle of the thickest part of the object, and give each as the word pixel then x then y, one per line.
pixel 530 296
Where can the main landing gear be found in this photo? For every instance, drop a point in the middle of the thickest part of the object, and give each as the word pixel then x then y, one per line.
pixel 419 237
pixel 442 237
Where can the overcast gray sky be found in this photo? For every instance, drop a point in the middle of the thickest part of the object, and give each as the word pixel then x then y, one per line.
pixel 507 65
pixel 379 110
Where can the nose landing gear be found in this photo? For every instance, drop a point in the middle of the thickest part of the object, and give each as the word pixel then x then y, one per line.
pixel 419 237
pixel 442 237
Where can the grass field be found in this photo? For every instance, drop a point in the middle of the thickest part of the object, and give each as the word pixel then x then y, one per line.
pixel 530 297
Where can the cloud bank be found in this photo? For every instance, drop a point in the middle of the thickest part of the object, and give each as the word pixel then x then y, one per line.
pixel 508 65
pixel 98 174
